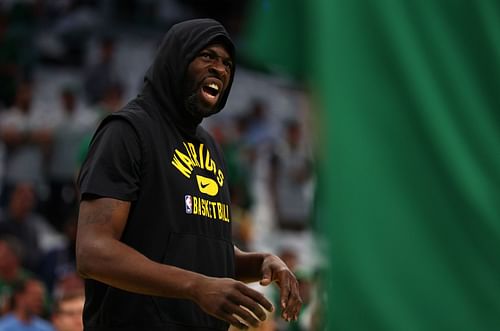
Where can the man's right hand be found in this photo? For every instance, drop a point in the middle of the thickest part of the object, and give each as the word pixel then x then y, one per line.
pixel 225 297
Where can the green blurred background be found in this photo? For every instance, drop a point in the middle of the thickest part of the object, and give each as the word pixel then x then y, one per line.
pixel 408 122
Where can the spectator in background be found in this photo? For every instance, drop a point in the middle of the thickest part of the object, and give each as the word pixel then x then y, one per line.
pixel 71 125
pixel 11 270
pixel 20 220
pixel 67 312
pixel 73 29
pixel 258 131
pixel 229 136
pixel 111 101
pixel 291 190
pixel 102 74
pixel 60 262
pixel 70 282
pixel 239 162
pixel 26 136
pixel 28 306
pixel 291 181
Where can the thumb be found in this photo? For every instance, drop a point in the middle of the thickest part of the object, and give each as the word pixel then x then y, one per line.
pixel 266 277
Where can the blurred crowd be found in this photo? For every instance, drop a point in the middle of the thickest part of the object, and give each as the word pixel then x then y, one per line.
pixel 66 64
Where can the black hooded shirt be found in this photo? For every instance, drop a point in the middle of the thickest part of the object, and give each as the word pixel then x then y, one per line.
pixel 154 153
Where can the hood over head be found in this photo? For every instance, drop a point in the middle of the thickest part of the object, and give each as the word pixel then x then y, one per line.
pixel 165 79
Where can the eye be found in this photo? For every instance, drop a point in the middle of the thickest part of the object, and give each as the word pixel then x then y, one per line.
pixel 228 64
pixel 206 55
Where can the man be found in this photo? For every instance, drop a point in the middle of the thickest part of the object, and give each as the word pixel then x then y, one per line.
pixel 26 135
pixel 11 269
pixel 28 296
pixel 70 125
pixel 67 312
pixel 20 220
pixel 102 74
pixel 292 181
pixel 154 233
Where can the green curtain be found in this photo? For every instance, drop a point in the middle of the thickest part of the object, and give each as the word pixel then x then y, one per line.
pixel 274 37
pixel 408 94
pixel 410 90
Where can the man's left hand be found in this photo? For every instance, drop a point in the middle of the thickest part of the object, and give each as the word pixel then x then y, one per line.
pixel 275 270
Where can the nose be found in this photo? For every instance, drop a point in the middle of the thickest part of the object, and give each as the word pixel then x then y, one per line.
pixel 218 68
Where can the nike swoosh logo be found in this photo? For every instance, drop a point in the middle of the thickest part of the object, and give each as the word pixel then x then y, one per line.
pixel 207 185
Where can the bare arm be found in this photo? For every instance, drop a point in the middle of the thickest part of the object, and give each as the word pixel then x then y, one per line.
pixel 269 268
pixel 103 257
pixel 248 265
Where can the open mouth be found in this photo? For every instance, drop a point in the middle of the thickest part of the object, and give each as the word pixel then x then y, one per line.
pixel 211 91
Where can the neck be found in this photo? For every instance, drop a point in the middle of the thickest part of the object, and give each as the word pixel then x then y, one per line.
pixel 23 315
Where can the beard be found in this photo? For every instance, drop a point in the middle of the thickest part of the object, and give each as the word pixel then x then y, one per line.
pixel 193 103
pixel 196 108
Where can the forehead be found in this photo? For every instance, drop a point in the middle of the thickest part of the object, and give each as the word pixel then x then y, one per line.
pixel 34 286
pixel 72 302
pixel 219 49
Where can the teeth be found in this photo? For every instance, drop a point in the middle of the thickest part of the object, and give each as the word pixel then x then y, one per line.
pixel 214 86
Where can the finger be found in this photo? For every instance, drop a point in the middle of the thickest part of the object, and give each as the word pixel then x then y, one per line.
pixel 284 291
pixel 294 301
pixel 253 307
pixel 266 277
pixel 257 297
pixel 243 315
pixel 234 321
